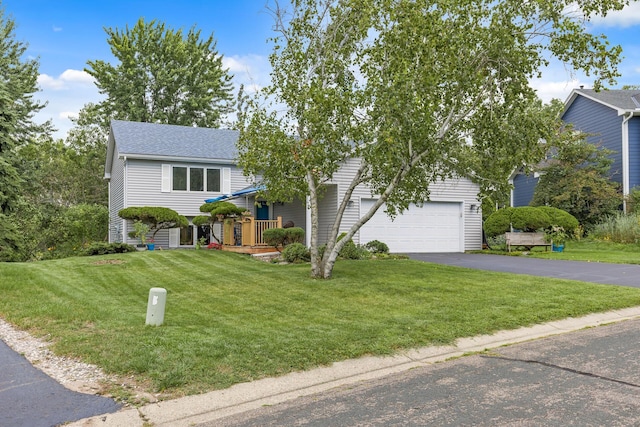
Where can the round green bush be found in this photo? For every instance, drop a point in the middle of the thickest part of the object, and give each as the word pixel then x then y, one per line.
pixel 528 218
pixel 296 252
pixel 498 222
pixel 560 218
pixel 377 247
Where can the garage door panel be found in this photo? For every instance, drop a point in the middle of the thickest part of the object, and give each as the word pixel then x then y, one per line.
pixel 434 227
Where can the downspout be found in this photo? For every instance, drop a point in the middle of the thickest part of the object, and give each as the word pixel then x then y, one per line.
pixel 625 159
pixel 123 230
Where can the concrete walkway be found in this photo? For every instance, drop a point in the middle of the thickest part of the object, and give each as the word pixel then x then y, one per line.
pixel 596 272
pixel 216 405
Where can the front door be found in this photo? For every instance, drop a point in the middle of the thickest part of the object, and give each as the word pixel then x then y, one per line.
pixel 262 211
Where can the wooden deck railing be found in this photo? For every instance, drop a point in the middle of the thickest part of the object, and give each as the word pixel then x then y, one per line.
pixel 248 232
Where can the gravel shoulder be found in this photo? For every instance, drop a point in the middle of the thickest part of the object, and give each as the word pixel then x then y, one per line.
pixel 72 374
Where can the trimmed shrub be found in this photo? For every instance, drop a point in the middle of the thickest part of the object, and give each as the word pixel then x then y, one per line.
pixel 498 222
pixel 283 236
pixel 274 236
pixel 377 247
pixel 561 218
pixel 293 235
pixel 296 252
pixel 103 248
pixel 528 218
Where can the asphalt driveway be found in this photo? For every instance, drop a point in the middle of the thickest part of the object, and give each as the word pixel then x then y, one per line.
pixel 595 272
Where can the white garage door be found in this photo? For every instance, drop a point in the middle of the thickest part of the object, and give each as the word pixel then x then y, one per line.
pixel 435 227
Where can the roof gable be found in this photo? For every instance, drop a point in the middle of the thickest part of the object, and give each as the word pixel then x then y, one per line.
pixel 153 140
pixel 621 100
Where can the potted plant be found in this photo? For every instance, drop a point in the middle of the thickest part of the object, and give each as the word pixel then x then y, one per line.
pixel 151 245
pixel 140 230
pixel 557 236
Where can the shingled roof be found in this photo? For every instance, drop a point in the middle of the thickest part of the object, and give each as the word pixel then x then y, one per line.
pixel 153 140
pixel 619 99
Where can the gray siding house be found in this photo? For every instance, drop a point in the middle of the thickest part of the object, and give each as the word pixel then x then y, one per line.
pixel 180 167
pixel 612 119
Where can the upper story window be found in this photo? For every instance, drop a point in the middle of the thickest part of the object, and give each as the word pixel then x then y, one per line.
pixel 186 178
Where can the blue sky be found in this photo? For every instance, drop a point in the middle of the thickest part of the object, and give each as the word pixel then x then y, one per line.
pixel 65 34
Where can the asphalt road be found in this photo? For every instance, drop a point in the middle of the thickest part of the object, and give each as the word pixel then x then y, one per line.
pixel 586 378
pixel 30 398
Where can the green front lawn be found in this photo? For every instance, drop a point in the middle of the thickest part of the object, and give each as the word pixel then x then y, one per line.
pixel 594 251
pixel 232 319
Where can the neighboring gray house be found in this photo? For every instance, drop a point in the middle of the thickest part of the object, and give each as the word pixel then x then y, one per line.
pixel 612 119
pixel 180 167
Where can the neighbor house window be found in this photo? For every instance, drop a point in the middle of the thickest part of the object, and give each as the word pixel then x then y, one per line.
pixel 194 179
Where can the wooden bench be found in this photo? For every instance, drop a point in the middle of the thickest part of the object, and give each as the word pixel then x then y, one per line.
pixel 528 240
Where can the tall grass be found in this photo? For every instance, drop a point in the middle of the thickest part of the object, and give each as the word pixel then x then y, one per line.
pixel 619 228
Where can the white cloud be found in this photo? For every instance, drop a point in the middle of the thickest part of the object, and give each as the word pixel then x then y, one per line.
pixel 68 114
pixel 65 96
pixel 65 80
pixel 627 17
pixel 252 71
pixel 550 89
pixel 56 29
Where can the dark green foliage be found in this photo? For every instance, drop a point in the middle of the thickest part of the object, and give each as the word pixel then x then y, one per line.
pixel 226 209
pixel 377 247
pixel 633 201
pixel 103 248
pixel 277 237
pixel 294 235
pixel 296 252
pixel 527 218
pixel 498 222
pixel 201 220
pixel 158 218
pixel 274 237
pixel 577 181
pixel 560 218
pixel 350 250
pixel 18 84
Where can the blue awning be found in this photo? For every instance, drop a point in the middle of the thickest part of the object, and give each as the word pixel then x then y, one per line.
pixel 244 192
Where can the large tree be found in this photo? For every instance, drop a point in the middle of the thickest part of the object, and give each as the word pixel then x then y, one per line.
pixel 417 90
pixel 18 84
pixel 577 179
pixel 163 76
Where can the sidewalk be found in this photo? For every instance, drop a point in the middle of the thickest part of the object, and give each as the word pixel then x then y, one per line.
pixel 243 397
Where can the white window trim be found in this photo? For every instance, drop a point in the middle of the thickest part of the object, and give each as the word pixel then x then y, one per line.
pixel 167 179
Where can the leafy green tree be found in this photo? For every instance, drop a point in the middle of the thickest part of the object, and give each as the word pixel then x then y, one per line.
pixel 87 143
pixel 577 180
pixel 415 90
pixel 163 76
